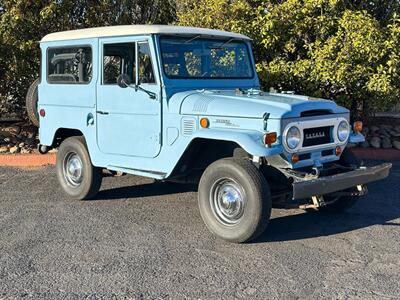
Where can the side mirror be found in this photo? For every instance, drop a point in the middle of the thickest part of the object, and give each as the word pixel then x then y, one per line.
pixel 123 81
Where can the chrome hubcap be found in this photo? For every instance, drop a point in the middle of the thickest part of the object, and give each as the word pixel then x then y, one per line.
pixel 73 169
pixel 227 201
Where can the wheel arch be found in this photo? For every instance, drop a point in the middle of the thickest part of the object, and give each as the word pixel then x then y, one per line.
pixel 209 145
pixel 201 152
pixel 63 133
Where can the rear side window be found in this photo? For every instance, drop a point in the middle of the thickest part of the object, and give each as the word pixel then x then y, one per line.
pixel 70 65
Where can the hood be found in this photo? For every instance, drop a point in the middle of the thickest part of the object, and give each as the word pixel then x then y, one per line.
pixel 229 103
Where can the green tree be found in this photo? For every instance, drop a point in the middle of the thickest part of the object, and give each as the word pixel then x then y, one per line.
pixel 24 22
pixel 345 50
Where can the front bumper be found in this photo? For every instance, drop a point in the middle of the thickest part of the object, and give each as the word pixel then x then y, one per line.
pixel 339 182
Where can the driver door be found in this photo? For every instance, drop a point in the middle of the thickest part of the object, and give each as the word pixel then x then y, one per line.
pixel 128 119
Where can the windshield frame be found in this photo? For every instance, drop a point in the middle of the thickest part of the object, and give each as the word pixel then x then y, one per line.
pixel 205 37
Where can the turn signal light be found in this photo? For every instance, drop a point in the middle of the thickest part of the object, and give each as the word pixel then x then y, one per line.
pixel 358 126
pixel 42 113
pixel 338 151
pixel 270 138
pixel 204 123
pixel 295 158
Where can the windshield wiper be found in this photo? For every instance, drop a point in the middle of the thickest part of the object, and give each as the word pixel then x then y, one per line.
pixel 192 39
pixel 224 43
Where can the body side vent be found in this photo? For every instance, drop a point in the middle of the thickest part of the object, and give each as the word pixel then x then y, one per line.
pixel 188 126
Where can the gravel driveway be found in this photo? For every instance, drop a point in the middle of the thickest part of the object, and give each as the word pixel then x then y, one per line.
pixel 144 240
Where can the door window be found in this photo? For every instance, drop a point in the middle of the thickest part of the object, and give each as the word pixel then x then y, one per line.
pixel 119 59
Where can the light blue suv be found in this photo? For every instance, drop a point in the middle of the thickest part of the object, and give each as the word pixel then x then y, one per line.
pixel 184 104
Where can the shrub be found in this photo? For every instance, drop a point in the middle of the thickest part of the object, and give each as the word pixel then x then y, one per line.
pixel 343 50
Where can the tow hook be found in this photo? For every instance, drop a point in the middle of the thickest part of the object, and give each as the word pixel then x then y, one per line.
pixel 318 201
pixel 43 149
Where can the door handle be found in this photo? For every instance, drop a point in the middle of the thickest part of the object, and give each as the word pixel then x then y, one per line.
pixel 102 112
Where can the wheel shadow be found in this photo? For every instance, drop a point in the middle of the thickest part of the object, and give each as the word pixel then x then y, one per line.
pixel 144 190
pixel 381 206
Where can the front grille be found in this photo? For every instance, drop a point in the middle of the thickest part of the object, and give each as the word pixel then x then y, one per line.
pixel 317 136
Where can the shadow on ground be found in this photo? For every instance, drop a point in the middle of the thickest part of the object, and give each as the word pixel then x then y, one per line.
pixel 145 190
pixel 379 207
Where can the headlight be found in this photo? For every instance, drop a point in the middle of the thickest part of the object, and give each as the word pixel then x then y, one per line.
pixel 293 137
pixel 343 131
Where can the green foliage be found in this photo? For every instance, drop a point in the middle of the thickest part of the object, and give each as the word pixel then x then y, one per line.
pixel 340 49
pixel 24 22
pixel 345 50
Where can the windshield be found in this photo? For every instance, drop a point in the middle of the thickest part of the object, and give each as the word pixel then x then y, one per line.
pixel 190 58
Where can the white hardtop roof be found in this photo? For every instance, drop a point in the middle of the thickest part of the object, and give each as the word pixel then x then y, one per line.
pixel 126 30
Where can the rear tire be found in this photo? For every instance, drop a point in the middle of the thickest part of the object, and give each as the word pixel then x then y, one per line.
pixel 234 200
pixel 31 102
pixel 75 172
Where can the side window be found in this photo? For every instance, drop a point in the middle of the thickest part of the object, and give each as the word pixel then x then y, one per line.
pixel 72 65
pixel 146 72
pixel 118 59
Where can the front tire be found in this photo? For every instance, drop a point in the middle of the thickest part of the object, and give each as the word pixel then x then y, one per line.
pixel 75 172
pixel 234 200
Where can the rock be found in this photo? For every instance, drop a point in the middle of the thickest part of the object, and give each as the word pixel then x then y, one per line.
pixel 14 150
pixel 383 133
pixel 386 127
pixel 396 144
pixel 3 150
pixel 12 129
pixel 397 128
pixel 395 133
pixel 386 143
pixel 29 141
pixel 25 151
pixel 374 128
pixel 364 144
pixel 53 150
pixel 375 142
pixel 21 145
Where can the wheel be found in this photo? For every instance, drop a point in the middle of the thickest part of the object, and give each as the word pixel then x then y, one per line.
pixel 31 102
pixel 75 172
pixel 234 200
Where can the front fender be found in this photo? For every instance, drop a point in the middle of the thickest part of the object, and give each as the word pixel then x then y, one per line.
pixel 250 141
